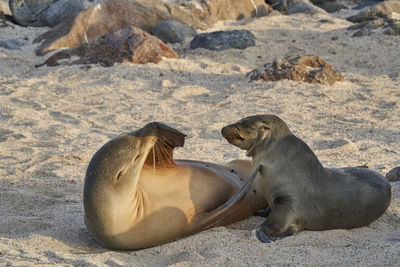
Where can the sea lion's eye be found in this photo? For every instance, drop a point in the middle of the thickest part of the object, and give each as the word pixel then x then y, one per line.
pixel 265 127
pixel 119 175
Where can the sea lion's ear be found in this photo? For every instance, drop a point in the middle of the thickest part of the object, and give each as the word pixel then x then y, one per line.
pixel 173 137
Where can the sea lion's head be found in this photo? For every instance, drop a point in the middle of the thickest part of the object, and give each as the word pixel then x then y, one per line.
pixel 113 172
pixel 124 156
pixel 254 131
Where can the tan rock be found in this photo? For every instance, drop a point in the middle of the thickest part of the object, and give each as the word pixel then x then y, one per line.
pixel 128 44
pixel 310 69
pixel 145 14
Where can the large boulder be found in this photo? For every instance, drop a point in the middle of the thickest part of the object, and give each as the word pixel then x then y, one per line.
pixel 40 13
pixel 145 14
pixel 310 69
pixel 128 44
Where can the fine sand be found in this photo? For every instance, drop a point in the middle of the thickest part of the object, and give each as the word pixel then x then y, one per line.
pixel 53 119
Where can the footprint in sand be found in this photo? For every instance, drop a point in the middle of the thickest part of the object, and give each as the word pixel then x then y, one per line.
pixel 8 135
pixel 187 92
pixel 328 144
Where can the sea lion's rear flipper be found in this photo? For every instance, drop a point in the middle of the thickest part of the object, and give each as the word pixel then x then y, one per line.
pixel 212 218
pixel 161 155
pixel 171 136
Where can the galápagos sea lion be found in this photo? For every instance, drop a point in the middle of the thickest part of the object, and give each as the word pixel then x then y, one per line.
pixel 136 195
pixel 301 193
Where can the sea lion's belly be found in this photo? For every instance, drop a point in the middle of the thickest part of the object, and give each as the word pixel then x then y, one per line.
pixel 174 202
pixel 192 188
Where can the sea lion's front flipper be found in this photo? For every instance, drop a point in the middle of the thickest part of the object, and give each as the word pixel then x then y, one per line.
pixel 263 213
pixel 161 156
pixel 212 218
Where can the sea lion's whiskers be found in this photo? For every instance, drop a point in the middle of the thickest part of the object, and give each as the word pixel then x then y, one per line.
pixel 163 150
pixel 166 151
pixel 160 152
pixel 159 156
pixel 154 159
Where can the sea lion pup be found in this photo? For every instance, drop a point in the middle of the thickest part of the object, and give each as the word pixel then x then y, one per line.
pixel 301 193
pixel 136 195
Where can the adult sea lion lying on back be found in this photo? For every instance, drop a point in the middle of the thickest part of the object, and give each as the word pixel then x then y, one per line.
pixel 301 193
pixel 136 195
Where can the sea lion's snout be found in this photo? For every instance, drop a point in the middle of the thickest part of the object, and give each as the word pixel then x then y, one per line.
pixel 225 131
pixel 233 134
pixel 230 133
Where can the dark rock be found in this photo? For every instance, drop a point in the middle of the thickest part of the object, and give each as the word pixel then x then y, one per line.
pixel 172 31
pixel 311 69
pixel 145 14
pixel 304 7
pixel 128 44
pixel 25 12
pixel 11 44
pixel 60 11
pixel 283 5
pixel 362 33
pixel 382 10
pixel 366 28
pixel 280 5
pixel 393 29
pixel 40 13
pixel 393 175
pixel 370 24
pixel 273 3
pixel 329 6
pixel 221 40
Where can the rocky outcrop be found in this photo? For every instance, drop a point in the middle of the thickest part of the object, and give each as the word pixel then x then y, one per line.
pixel 310 69
pixel 44 12
pixel 128 44
pixel 221 40
pixel 172 31
pixel 145 14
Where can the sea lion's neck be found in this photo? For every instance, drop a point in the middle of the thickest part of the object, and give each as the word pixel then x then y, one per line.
pixel 280 152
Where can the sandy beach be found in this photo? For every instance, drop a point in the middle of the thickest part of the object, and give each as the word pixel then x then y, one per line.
pixel 53 119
